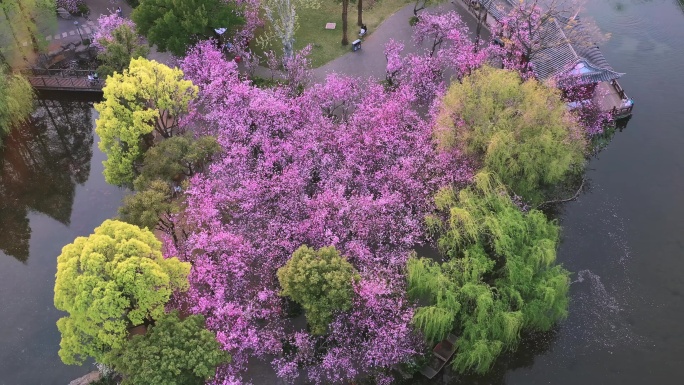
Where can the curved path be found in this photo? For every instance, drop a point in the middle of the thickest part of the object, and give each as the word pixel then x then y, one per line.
pixel 370 60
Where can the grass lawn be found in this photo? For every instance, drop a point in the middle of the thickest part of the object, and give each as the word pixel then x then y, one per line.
pixel 327 43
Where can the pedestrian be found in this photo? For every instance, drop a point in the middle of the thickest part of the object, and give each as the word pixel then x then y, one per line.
pixel 119 12
pixel 363 31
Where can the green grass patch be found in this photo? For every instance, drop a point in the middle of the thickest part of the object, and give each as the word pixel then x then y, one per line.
pixel 327 44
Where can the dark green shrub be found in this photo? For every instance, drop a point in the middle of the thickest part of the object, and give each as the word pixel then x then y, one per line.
pixel 83 9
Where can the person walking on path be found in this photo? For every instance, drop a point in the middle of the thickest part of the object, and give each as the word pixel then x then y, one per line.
pixel 119 12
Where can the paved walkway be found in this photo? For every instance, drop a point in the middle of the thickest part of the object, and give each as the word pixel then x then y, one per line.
pixel 85 29
pixel 65 31
pixel 370 61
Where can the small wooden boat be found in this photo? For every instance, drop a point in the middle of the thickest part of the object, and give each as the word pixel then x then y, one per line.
pixel 440 355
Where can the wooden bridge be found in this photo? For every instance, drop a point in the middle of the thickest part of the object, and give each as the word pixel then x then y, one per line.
pixel 63 80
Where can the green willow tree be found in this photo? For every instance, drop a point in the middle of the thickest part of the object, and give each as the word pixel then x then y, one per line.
pixel 113 280
pixel 319 280
pixel 522 131
pixel 500 277
pixel 16 100
pixel 176 25
pixel 172 352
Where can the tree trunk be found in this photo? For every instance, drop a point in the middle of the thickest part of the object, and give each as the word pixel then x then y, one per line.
pixel 359 7
pixel 480 19
pixel 345 6
pixel 416 8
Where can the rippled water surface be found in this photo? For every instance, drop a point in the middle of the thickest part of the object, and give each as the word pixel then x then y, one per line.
pixel 623 238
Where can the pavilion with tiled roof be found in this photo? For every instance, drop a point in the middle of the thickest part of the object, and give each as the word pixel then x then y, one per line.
pixel 559 57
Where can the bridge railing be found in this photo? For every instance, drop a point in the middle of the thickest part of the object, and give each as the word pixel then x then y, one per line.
pixel 65 83
pixel 65 72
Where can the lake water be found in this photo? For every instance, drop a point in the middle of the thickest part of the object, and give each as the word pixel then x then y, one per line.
pixel 622 238
pixel 51 191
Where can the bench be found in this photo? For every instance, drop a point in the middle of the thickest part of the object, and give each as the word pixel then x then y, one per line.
pixel 63 13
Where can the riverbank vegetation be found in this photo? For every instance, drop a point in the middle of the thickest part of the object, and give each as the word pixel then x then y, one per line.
pixel 20 44
pixel 311 199
pixel 16 100
pixel 112 280
pixel 499 277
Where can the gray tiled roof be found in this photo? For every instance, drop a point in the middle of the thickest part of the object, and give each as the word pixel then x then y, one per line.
pixel 559 55
pixel 497 8
pixel 556 55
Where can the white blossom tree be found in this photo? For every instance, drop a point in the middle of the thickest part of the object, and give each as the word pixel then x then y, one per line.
pixel 283 20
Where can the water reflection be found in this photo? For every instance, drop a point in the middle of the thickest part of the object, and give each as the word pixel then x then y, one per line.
pixel 40 165
pixel 600 142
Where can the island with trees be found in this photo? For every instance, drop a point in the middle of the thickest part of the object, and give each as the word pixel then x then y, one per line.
pixel 335 230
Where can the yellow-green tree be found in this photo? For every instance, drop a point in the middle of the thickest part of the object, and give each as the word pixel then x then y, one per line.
pixel 319 280
pixel 114 279
pixel 146 98
pixel 16 100
pixel 522 131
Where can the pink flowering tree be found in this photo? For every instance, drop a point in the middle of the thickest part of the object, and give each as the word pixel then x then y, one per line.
pixel 433 28
pixel 395 63
pixel 69 5
pixel 106 25
pixel 338 164
pixel 519 30
pixel 272 62
pixel 584 100
pixel 449 52
pixel 530 28
pixel 337 97
pixel 249 10
pixel 371 338
pixel 449 40
pixel 298 70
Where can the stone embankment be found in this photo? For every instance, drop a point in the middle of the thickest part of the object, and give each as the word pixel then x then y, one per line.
pixel 87 379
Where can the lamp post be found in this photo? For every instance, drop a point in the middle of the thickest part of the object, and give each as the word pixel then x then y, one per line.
pixel 79 30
